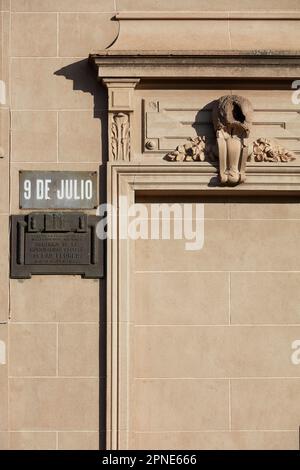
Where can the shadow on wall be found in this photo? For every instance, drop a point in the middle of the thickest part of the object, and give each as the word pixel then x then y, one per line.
pixel 204 128
pixel 203 124
pixel 84 79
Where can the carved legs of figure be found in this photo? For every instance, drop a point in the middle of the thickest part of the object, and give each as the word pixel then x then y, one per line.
pixel 222 149
pixel 233 154
pixel 234 148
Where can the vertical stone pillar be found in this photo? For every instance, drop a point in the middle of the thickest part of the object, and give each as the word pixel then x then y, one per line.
pixel 120 110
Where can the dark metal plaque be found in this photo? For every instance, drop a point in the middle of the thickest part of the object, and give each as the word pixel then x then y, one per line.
pixel 57 248
pixel 58 189
pixel 55 243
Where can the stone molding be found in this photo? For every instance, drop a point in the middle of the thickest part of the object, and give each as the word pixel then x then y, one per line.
pixel 125 179
pixel 121 72
pixel 195 64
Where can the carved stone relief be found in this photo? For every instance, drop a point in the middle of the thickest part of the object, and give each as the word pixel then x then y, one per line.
pixel 197 149
pixel 120 111
pixel 265 150
pixel 120 136
pixel 201 149
pixel 232 119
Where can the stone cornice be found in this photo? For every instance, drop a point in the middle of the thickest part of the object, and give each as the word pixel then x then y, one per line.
pixel 193 64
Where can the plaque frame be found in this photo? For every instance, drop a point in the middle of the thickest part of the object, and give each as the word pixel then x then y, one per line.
pixel 56 224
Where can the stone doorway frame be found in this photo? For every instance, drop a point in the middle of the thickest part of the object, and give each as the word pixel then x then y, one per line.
pixel 125 179
pixel 129 170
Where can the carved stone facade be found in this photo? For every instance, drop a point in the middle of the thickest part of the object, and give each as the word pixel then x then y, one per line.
pixel 225 115
pixel 136 362
pixel 199 149
pixel 232 118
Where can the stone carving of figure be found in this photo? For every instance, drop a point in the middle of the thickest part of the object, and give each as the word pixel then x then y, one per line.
pixel 232 118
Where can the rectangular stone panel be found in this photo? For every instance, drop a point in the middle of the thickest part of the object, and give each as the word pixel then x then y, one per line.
pixel 43 404
pixel 204 5
pixel 246 33
pixel 4 445
pixel 179 405
pixel 266 404
pixel 214 207
pixel 33 34
pixel 181 298
pixel 4 267
pixel 34 136
pixel 4 162
pixel 24 440
pixel 80 136
pixel 33 349
pixel 273 207
pixel 174 35
pixel 3 379
pixel 242 245
pixel 5 5
pixel 246 440
pixel 214 351
pixel 34 299
pixel 81 33
pixel 78 350
pixel 5 53
pixel 62 5
pixel 265 298
pixel 78 441
pixel 54 87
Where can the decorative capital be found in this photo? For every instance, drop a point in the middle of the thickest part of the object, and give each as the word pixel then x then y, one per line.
pixel 120 108
pixel 120 93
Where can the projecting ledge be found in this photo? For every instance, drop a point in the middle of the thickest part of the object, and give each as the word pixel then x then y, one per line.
pixel 191 64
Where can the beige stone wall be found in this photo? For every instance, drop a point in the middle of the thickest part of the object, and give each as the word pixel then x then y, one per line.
pixel 50 325
pixel 212 332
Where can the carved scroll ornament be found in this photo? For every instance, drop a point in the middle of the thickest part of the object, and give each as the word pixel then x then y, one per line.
pixel 232 117
pixel 120 136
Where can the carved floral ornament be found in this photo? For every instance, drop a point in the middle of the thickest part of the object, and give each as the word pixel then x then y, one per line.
pixel 232 119
pixel 120 136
